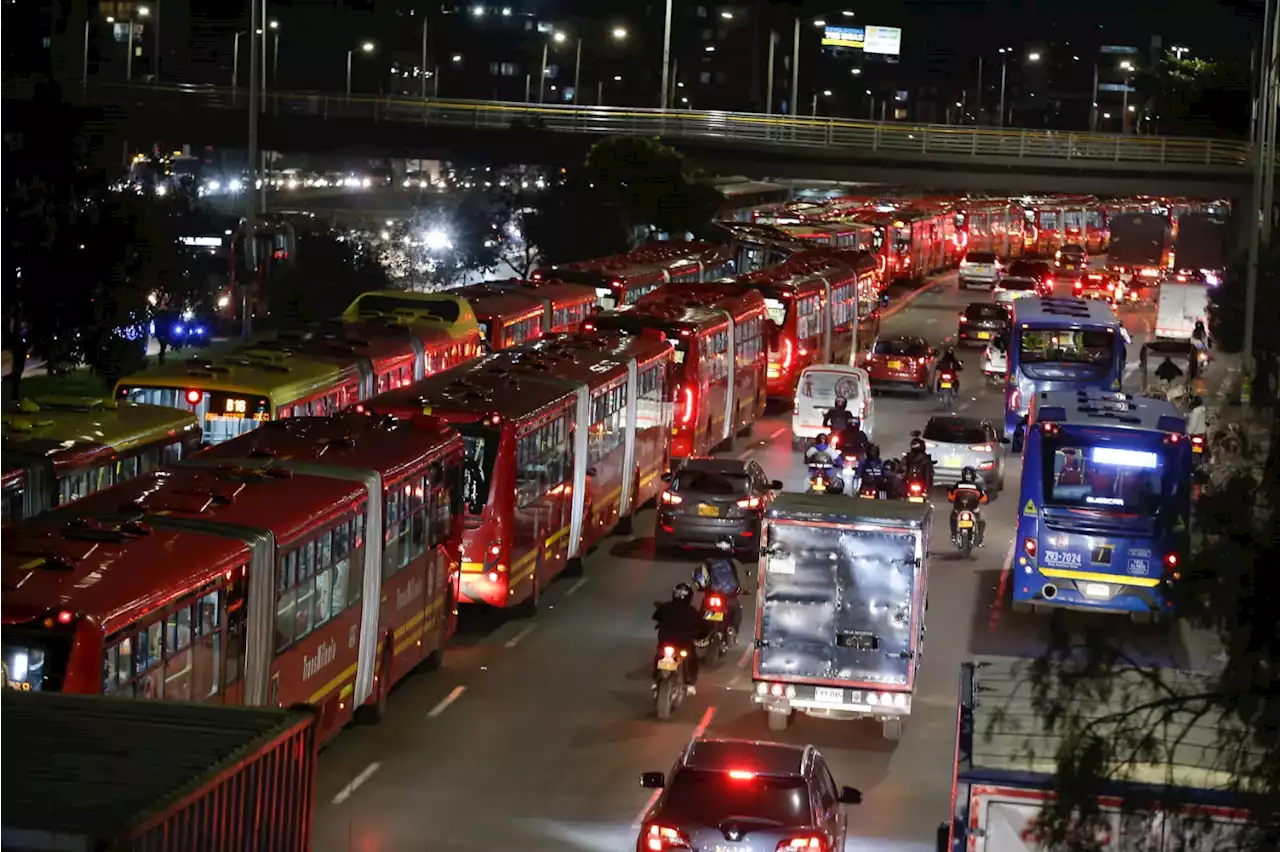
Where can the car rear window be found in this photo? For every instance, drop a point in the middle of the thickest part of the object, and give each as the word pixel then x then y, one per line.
pixel 980 257
pixel 900 347
pixel 1073 249
pixel 1028 268
pixel 827 384
pixel 954 432
pixel 709 798
pixel 713 483
pixel 1017 284
pixel 985 311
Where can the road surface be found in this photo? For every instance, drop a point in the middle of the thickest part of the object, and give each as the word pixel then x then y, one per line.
pixel 533 733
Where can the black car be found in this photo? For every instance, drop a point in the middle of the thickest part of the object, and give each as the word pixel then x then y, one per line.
pixel 1039 270
pixel 1072 260
pixel 746 796
pixel 981 322
pixel 712 497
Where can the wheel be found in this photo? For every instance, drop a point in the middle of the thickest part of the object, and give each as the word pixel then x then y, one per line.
pixel 372 714
pixel 713 652
pixel 574 567
pixel 891 729
pixel 747 431
pixel 966 547
pixel 666 700
pixel 778 720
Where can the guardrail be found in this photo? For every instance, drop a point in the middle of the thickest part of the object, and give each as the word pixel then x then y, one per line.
pixel 747 129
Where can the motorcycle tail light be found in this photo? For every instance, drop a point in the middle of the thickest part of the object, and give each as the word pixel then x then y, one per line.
pixel 1197 440
pixel 668 651
pixel 916 488
pixel 715 601
pixel 966 516
pixel 946 377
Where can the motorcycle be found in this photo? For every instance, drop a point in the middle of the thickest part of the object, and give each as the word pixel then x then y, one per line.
pixel 718 632
pixel 822 481
pixel 874 488
pixel 916 491
pixel 669 681
pixel 947 391
pixel 966 529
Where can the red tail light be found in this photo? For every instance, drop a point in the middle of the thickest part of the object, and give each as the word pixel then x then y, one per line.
pixel 194 397
pixel 946 377
pixel 1170 561
pixel 742 774
pixel 811 843
pixel 668 651
pixel 916 488
pixel 659 837
pixel 749 503
pixel 1029 547
pixel 1013 400
pixel 1197 440
pixel 788 352
pixel 1079 285
pixel 966 516
pixel 715 601
pixel 686 413
pixel 963 318
pixel 671 499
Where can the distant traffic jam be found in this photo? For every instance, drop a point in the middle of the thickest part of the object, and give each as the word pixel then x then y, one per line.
pixel 361 480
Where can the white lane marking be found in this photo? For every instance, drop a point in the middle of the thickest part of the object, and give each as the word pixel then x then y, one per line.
pixel 448 699
pixel 365 775
pixel 577 584
pixel 745 453
pixel 701 729
pixel 519 637
pixel 777 432
pixel 746 655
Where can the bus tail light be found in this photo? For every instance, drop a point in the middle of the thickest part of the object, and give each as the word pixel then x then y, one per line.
pixel 1029 547
pixel 788 352
pixel 492 576
pixel 194 396
pixel 686 414
pixel 1014 397
pixel 1049 429
pixel 670 499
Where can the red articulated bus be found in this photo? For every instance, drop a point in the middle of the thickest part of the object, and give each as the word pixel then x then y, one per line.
pixel 312 561
pixel 720 353
pixel 994 226
pixel 1063 220
pixel 811 307
pixel 911 243
pixel 512 312
pixel 626 278
pixel 565 439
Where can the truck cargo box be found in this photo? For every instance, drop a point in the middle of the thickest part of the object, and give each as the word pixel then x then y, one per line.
pixel 840 617
pixel 1138 241
pixel 1006 767
pixel 1202 242
pixel 124 775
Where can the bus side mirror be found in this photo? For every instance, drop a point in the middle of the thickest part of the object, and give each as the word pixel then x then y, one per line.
pixel 653 780
pixel 850 796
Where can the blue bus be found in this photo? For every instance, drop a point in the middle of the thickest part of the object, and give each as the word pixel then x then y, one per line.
pixel 1059 344
pixel 1105 502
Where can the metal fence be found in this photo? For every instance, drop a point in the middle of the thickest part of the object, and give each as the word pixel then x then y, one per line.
pixel 747 129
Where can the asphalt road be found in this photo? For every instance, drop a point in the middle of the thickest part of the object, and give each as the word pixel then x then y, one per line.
pixel 532 735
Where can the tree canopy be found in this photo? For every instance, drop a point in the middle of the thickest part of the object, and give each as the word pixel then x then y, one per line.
pixel 1197 97
pixel 1227 303
pixel 327 274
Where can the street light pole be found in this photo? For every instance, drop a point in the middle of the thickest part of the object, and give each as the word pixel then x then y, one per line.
pixel 577 70
pixel 349 55
pixel 1093 104
pixel 128 65
pixel 1004 76
pixel 978 93
pixel 795 69
pixel 275 55
pixel 235 66
pixel 768 86
pixel 251 197
pixel 542 73
pixel 600 93
pixel 666 56
pixel 155 64
pixel 424 60
pixel 1262 151
pixel 84 77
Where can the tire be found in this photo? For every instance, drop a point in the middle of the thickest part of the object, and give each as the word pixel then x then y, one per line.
pixel 665 702
pixel 778 720
pixel 891 729
pixel 713 652
pixel 574 567
pixel 372 714
pixel 966 547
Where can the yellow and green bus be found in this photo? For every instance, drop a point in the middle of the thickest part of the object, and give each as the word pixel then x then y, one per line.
pixel 385 340
pixel 58 449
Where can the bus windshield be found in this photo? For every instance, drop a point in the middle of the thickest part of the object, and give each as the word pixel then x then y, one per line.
pixel 480 451
pixel 1080 475
pixel 222 415
pixel 902 239
pixel 1041 345
pixel 777 311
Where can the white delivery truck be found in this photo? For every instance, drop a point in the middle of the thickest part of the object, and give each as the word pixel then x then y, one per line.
pixel 1181 305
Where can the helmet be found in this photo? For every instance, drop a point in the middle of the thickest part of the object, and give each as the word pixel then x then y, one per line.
pixel 841 402
pixel 917 445
pixel 891 466
pixel 951 352
pixel 968 475
pixel 820 438
pixel 873 452
pixel 682 592
pixel 724 543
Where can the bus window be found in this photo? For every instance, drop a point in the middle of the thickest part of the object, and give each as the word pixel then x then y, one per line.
pixel 1104 478
pixel 480 450
pixel 1057 345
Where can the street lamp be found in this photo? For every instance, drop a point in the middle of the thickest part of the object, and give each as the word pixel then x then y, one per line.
pixel 855 71
pixel 619 33
pixel 143 12
pixel 826 93
pixel 558 38
pixel 1033 57
pixel 1127 67
pixel 366 47
pixel 274 26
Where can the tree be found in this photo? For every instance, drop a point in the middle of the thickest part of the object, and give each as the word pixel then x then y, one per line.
pixel 1229 589
pixel 1196 97
pixel 327 274
pixel 1227 303
pixel 452 236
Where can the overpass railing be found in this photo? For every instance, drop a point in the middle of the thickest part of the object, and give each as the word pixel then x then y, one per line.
pixel 830 134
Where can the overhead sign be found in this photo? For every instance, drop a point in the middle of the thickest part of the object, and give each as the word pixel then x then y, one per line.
pixel 1115 87
pixel 853 37
pixel 1118 50
pixel 886 41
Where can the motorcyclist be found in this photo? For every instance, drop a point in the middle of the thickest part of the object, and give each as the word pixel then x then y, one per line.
pixel 853 441
pixel 678 622
pixel 1168 371
pixel 871 467
pixel 719 574
pixel 917 463
pixel 821 453
pixel 1200 335
pixel 895 488
pixel 837 419
pixel 949 363
pixel 968 495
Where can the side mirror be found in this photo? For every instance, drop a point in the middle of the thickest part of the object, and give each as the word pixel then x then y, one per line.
pixel 850 796
pixel 656 781
pixel 776 484
pixel 591 471
pixel 668 476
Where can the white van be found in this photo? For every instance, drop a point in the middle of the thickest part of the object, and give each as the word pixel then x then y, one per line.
pixel 816 393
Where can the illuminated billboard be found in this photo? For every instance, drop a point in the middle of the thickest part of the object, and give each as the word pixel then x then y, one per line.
pixel 843 37
pixel 886 41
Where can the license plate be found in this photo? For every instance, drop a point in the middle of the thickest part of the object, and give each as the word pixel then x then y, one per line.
pixel 665 665
pixel 895 365
pixel 714 616
pixel 1196 448
pixel 915 499
pixel 951 462
pixel 964 525
pixel 828 695
pixel 945 385
pixel 1096 590
pixel 984 335
pixel 709 511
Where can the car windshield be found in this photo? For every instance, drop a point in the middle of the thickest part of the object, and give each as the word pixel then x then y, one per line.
pixel 709 798
pixel 980 257
pixel 714 483
pixel 910 348
pixel 1017 284
pixel 1105 478
pixel 954 431
pixel 1041 345
pixel 480 450
pixel 986 311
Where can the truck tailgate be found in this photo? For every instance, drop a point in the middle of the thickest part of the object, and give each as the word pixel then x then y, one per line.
pixel 838 604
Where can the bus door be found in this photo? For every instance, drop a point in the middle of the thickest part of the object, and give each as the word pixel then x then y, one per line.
pixel 826 316
pixel 419 359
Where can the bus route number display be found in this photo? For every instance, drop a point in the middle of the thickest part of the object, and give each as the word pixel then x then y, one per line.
pixel 237 409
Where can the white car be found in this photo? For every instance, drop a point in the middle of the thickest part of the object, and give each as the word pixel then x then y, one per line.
pixel 816 392
pixel 1009 289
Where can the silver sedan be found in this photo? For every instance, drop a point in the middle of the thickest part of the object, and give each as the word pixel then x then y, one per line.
pixel 955 442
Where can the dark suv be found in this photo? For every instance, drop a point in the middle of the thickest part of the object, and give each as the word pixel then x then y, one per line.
pixel 981 322
pixel 746 796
